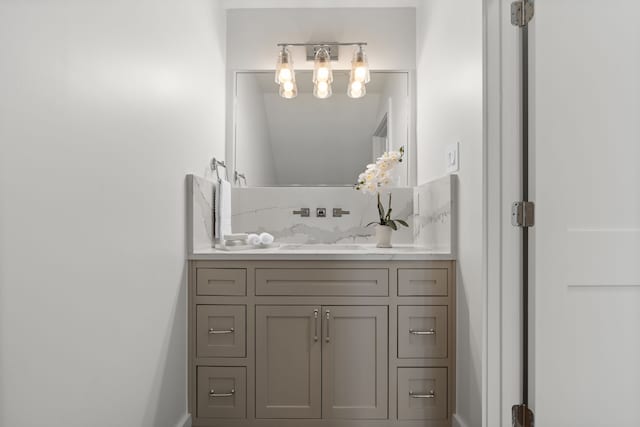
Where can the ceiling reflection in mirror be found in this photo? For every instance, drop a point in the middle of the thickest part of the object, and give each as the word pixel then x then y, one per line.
pixel 307 141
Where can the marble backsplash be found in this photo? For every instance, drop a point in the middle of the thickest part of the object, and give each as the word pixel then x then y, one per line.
pixel 200 193
pixel 434 214
pixel 428 208
pixel 271 209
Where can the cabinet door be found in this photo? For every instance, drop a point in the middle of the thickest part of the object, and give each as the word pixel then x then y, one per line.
pixel 288 351
pixel 354 362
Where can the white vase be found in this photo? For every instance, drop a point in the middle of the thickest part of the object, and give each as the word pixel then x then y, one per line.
pixel 383 236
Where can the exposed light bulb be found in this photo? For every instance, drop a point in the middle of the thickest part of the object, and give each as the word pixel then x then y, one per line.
pixel 322 90
pixel 356 89
pixel 360 74
pixel 360 66
pixel 288 90
pixel 284 67
pixel 322 74
pixel 284 76
pixel 322 66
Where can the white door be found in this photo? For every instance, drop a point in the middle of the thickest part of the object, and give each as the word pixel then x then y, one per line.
pixel 585 76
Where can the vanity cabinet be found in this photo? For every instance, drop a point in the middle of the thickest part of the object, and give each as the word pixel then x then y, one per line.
pixel 288 362
pixel 314 361
pixel 354 362
pixel 321 343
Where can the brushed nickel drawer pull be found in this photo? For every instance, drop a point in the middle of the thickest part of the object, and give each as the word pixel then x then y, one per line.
pixel 429 332
pixel 213 393
pixel 315 317
pixel 430 395
pixel 328 337
pixel 221 332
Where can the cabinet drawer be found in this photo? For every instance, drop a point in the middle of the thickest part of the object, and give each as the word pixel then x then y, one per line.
pixel 422 281
pixel 422 393
pixel 422 331
pixel 322 281
pixel 221 281
pixel 221 330
pixel 222 392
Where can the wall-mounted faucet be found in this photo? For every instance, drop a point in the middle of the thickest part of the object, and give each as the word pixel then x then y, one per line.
pixel 303 212
pixel 321 212
pixel 338 212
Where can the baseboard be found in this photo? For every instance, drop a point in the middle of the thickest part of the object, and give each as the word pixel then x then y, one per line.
pixel 457 421
pixel 185 421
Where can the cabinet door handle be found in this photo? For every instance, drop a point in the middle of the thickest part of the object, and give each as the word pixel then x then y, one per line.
pixel 327 317
pixel 212 393
pixel 220 332
pixel 429 332
pixel 315 319
pixel 430 395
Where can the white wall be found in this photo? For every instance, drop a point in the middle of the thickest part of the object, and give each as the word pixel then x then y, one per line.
pixel 253 34
pixel 450 84
pixel 105 107
pixel 254 154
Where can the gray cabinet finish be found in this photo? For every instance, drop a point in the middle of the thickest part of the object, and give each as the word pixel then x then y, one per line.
pixel 360 367
pixel 422 393
pixel 221 330
pixel 222 392
pixel 288 349
pixel 221 281
pixel 422 331
pixel 354 362
pixel 326 281
pixel 422 281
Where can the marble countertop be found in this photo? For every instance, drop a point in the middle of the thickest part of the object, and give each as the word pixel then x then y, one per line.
pixel 367 252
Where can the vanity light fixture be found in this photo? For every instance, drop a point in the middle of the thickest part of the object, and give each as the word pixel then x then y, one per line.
pixel 322 74
pixel 322 54
pixel 285 75
pixel 359 75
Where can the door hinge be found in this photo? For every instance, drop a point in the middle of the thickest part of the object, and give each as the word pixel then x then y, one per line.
pixel 521 416
pixel 521 12
pixel 523 214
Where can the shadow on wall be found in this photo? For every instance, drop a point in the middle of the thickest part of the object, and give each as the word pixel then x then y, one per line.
pixel 168 394
pixel 468 383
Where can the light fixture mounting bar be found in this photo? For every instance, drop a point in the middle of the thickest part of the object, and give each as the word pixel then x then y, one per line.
pixel 323 44
pixel 331 47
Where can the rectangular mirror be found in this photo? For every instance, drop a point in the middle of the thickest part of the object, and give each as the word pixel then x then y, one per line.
pixel 307 141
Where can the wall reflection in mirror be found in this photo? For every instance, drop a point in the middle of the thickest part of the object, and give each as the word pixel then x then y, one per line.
pixel 307 141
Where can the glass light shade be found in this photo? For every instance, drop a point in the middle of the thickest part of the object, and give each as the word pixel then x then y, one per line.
pixel 284 67
pixel 288 89
pixel 360 66
pixel 322 90
pixel 356 89
pixel 322 67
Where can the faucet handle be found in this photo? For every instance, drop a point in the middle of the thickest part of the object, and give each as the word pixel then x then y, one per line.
pixel 303 212
pixel 338 212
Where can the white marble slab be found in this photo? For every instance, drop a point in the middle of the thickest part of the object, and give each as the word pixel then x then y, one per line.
pixel 200 213
pixel 325 252
pixel 434 215
pixel 270 209
pixel 429 209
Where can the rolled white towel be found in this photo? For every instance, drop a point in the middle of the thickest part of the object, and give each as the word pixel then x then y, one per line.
pixel 266 238
pixel 253 239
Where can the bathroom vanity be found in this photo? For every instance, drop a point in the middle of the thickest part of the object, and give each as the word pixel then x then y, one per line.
pixel 326 330
pixel 284 338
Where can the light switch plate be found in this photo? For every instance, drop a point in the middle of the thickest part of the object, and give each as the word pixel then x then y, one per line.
pixel 453 157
